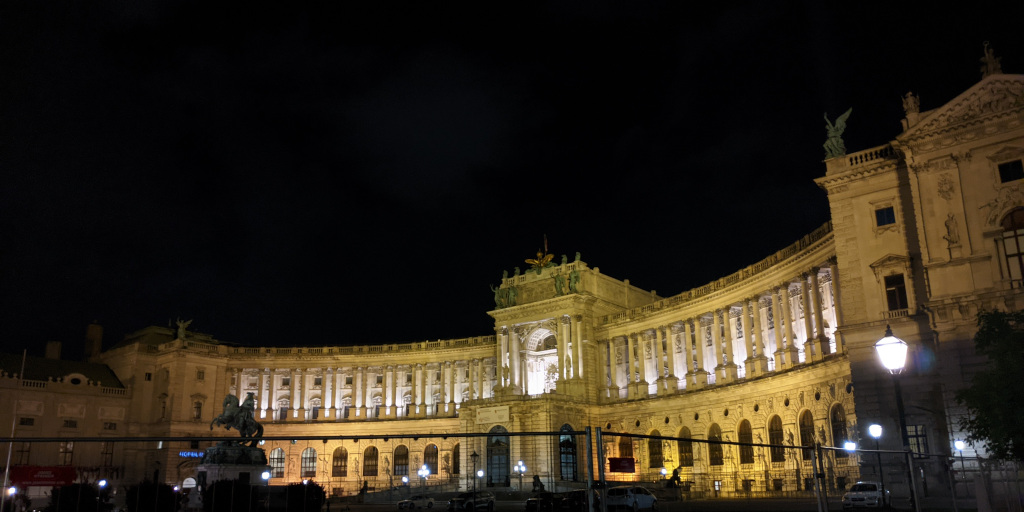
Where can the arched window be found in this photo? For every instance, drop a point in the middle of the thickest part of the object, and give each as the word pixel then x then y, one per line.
pixel 807 434
pixel 685 448
pixel 339 462
pixel 655 457
pixel 430 458
pixel 838 420
pixel 778 454
pixel 567 454
pixel 715 452
pixel 401 460
pixel 745 435
pixel 625 447
pixel 498 457
pixel 277 463
pixel 308 462
pixel 456 462
pixel 1013 243
pixel 370 461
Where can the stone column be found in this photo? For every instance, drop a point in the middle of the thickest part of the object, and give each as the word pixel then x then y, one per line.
pixel 700 375
pixel 791 352
pixel 612 368
pixel 390 378
pixel 449 386
pixel 414 387
pixel 578 348
pixel 514 355
pixel 480 375
pixel 729 369
pixel 503 357
pixel 641 356
pixel 327 404
pixel 293 392
pixel 659 363
pixel 357 393
pixel 833 273
pixel 716 345
pixel 630 376
pixel 759 362
pixel 805 300
pixel 262 392
pixel 748 337
pixel 339 386
pixel 563 349
pixel 821 343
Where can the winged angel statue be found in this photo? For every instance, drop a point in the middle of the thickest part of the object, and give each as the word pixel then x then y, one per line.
pixel 834 145
pixel 241 418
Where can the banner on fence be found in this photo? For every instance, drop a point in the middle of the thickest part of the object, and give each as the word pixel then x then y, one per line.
pixel 42 475
pixel 621 465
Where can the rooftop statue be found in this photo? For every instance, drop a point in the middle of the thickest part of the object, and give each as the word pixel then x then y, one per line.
pixel 240 417
pixel 990 63
pixel 834 146
pixel 911 104
pixel 181 328
pixel 542 260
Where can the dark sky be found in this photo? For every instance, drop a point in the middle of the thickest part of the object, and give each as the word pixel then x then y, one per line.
pixel 361 173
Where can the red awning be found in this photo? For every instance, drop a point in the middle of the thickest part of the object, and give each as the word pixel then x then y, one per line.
pixel 24 476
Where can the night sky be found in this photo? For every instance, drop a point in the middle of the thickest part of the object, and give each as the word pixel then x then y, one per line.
pixel 361 173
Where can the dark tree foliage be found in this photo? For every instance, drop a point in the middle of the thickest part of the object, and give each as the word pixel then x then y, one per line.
pixel 230 496
pixel 148 496
pixel 995 397
pixel 307 497
pixel 73 498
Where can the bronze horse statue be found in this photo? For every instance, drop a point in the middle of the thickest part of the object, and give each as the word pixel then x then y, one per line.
pixel 240 417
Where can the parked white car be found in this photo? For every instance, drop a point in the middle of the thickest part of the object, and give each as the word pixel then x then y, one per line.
pixel 417 501
pixel 865 495
pixel 631 497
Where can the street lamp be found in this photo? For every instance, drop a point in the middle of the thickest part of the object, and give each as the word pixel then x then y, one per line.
pixel 960 445
pixel 474 457
pixel 520 468
pixel 875 431
pixel 423 472
pixel 892 351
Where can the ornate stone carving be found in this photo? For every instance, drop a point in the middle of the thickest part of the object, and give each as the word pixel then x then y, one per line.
pixel 946 187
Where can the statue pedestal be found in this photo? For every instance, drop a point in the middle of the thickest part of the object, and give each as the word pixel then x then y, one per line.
pixel 232 462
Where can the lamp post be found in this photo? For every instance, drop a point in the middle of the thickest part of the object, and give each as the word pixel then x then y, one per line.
pixel 892 352
pixel 423 472
pixel 875 431
pixel 520 468
pixel 959 445
pixel 474 457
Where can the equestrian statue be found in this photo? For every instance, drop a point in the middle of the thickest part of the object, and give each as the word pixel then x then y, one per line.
pixel 240 417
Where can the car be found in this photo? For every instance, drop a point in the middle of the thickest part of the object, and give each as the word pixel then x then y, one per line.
pixel 865 495
pixel 631 497
pixel 417 501
pixel 544 501
pixel 471 501
pixel 576 501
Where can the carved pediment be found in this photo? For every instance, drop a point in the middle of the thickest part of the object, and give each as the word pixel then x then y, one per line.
pixel 890 262
pixel 994 95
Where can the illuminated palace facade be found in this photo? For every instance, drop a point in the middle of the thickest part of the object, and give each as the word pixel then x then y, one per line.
pixel 926 230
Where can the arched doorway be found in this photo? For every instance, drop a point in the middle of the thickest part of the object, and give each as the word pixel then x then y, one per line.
pixel 497 457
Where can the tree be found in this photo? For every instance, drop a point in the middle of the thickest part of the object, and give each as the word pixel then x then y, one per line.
pixel 995 398
pixel 151 497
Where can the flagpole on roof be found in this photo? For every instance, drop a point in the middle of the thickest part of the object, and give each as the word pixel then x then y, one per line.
pixel 14 424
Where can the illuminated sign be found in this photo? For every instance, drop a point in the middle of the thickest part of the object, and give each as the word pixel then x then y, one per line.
pixel 190 454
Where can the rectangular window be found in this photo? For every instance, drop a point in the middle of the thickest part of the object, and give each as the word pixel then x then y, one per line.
pixel 109 425
pixel 201 375
pixel 277 463
pixel 348 381
pixel 380 379
pixel 70 423
pixel 895 292
pixel 149 376
pixel 1011 171
pixel 286 381
pixel 66 452
pixel 197 410
pixel 918 441
pixel 885 216
pixel 318 381
pixel 340 464
pixel 26 422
